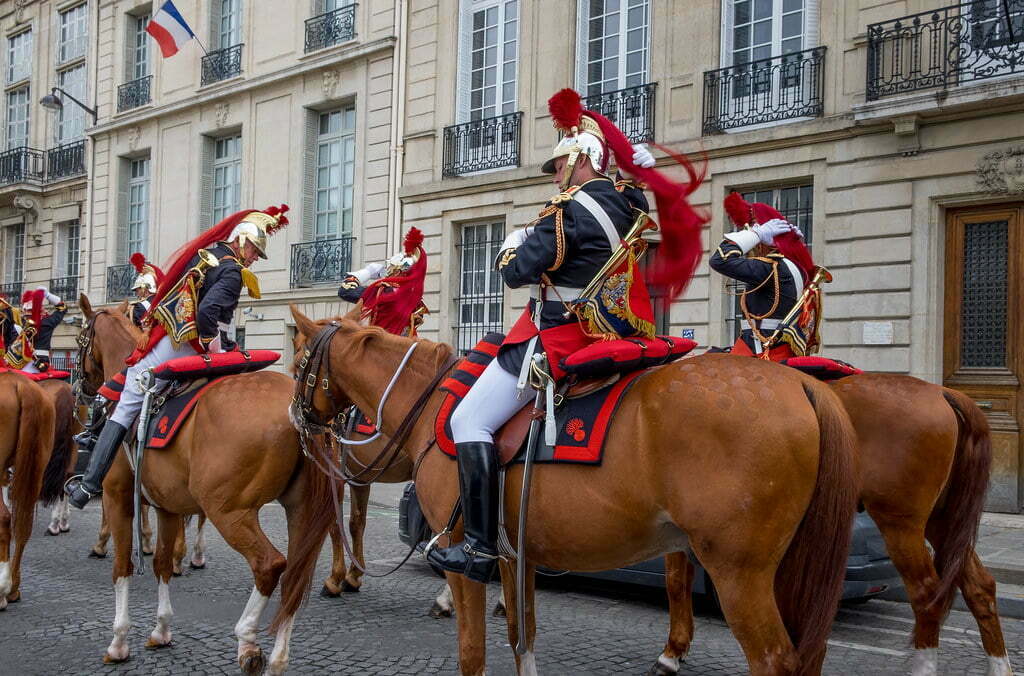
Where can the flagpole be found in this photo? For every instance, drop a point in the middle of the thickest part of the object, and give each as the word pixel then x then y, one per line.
pixel 201 45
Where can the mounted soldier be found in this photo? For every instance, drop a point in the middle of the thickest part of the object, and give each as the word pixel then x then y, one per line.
pixel 144 287
pixel 781 302
pixel 559 254
pixel 191 313
pixel 392 292
pixel 28 334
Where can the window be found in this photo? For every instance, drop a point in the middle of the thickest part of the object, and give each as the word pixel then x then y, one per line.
pixel 138 54
pixel 71 118
pixel 796 203
pixel 73 29
pixel 489 55
pixel 228 23
pixel 481 298
pixel 19 57
pixel 17 117
pixel 335 168
pixel 760 29
pixel 227 176
pixel 14 254
pixel 612 51
pixel 138 206
pixel 68 248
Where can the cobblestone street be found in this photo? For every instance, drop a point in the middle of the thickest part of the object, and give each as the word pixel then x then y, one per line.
pixel 63 623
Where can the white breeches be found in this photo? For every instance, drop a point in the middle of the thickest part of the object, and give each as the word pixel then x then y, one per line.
pixel 488 405
pixel 131 399
pixel 30 367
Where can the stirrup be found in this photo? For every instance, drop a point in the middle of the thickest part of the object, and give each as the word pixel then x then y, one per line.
pixel 476 553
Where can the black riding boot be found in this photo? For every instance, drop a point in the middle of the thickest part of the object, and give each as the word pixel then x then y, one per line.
pixel 91 485
pixel 476 556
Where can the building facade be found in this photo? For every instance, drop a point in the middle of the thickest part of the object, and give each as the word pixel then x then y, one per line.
pixel 889 130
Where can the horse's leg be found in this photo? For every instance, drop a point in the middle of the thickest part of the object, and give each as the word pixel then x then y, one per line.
pixel 65 514
pixel 979 591
pixel 332 585
pixel 99 550
pixel 679 586
pixel 470 613
pixel 163 559
pixel 147 531
pixel 180 549
pixel 444 604
pixel 198 561
pixel 526 665
pixel 359 500
pixel 118 508
pixel 53 528
pixel 5 546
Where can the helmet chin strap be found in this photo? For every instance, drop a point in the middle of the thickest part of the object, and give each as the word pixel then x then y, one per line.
pixel 569 169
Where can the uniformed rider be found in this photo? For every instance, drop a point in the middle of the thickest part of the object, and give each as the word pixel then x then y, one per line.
pixel 191 314
pixel 28 340
pixel 144 288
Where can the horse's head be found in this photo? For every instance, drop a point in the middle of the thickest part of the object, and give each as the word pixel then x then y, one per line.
pixel 319 395
pixel 299 340
pixel 105 341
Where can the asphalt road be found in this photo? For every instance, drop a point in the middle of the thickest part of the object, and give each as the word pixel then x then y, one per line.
pixel 62 626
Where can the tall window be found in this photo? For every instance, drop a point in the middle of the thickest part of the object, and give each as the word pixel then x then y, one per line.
pixel 796 203
pixel 489 56
pixel 139 46
pixel 335 168
pixel 18 103
pixel 73 34
pixel 481 298
pixel 613 48
pixel 138 206
pixel 228 22
pixel 227 176
pixel 71 118
pixel 14 253
pixel 68 248
pixel 19 57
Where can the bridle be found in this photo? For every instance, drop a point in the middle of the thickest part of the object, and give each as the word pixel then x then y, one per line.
pixel 84 391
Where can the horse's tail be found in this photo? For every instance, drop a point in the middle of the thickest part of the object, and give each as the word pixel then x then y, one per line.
pixel 809 581
pixel 315 520
pixel 965 495
pixel 63 444
pixel 35 438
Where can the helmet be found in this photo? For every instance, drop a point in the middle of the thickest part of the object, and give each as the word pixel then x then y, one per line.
pixel 148 277
pixel 583 135
pixel 257 226
pixel 412 249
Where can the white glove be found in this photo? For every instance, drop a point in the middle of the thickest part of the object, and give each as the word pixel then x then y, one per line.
pixel 214 346
pixel 516 238
pixel 51 298
pixel 768 231
pixel 642 157
pixel 369 273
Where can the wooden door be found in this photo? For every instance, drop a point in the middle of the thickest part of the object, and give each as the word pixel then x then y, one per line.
pixel 984 336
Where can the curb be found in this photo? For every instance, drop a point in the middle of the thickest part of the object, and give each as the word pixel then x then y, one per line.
pixel 1009 606
pixel 1006 573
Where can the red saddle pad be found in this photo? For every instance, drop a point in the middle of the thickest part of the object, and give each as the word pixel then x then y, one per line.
pixel 822 368
pixel 606 358
pixel 50 374
pixel 212 365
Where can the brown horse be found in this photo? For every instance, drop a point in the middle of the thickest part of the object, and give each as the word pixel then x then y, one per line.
pixel 236 452
pixel 922 479
pixel 64 454
pixel 26 439
pixel 770 522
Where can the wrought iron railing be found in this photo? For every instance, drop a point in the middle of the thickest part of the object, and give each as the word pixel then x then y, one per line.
pixel 22 165
pixel 65 287
pixel 65 161
pixel 331 28
pixel 482 144
pixel 975 40
pixel 119 282
pixel 222 64
pixel 632 109
pixel 134 94
pixel 322 261
pixel 767 90
pixel 11 292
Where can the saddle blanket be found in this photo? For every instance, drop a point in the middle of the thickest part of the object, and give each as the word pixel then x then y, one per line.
pixel 50 374
pixel 582 421
pixel 166 422
pixel 822 368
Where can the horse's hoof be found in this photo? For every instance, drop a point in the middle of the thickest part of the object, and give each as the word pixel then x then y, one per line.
pixel 437 612
pixel 499 610
pixel 252 662
pixel 111 659
pixel 156 645
pixel 65 529
pixel 329 593
pixel 661 668
pixel 196 566
pixel 51 533
pixel 93 554
pixel 176 572
pixel 348 587
pixel 14 597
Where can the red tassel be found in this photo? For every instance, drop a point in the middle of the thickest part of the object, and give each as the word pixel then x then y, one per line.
pixel 566 109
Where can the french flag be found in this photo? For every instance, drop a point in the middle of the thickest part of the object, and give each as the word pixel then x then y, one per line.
pixel 169 30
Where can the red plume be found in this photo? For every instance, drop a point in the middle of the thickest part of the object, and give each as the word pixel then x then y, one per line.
pixel 281 219
pixel 566 109
pixel 138 260
pixel 35 297
pixel 413 241
pixel 739 210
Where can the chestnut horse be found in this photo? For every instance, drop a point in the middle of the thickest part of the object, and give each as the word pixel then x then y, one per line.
pixel 236 452
pixel 769 521
pixel 922 479
pixel 26 440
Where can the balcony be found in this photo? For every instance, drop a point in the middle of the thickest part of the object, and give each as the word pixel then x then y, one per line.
pixel 323 261
pixel 119 282
pixel 631 109
pixel 482 144
pixel 765 91
pixel 134 94
pixel 222 64
pixel 22 165
pixel 945 47
pixel 331 28
pixel 11 291
pixel 66 288
pixel 65 161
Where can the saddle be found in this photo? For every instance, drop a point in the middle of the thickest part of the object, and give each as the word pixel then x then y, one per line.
pixel 49 374
pixel 822 368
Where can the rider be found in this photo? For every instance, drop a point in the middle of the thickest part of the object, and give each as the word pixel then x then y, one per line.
pixel 392 292
pixel 558 254
pixel 28 342
pixel 191 313
pixel 144 286
pixel 767 254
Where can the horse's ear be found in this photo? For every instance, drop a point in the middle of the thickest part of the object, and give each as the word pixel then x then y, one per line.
pixel 85 305
pixel 304 324
pixel 356 313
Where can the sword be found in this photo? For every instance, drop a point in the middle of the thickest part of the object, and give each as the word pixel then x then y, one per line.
pixel 147 384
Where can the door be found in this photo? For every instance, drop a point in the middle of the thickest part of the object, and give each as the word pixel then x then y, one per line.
pixel 984 338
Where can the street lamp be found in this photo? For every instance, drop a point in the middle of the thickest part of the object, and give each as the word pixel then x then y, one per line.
pixel 53 103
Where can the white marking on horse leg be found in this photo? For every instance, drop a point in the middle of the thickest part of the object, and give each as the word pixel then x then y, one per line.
pixel 199 548
pixel 161 634
pixel 445 600
pixel 925 662
pixel 5 583
pixel 279 656
pixel 53 528
pixel 999 666
pixel 65 514
pixel 248 623
pixel 118 650
pixel 669 664
pixel 528 664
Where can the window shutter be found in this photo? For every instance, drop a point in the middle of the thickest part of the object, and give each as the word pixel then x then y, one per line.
pixel 120 229
pixel 215 25
pixel 206 183
pixel 309 177
pixel 582 42
pixel 60 263
pixel 128 24
pixel 812 19
pixel 465 60
pixel 725 58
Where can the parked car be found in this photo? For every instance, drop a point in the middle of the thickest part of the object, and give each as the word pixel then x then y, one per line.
pixel 869 571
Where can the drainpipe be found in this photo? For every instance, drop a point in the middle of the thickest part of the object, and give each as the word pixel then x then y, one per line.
pixel 397 160
pixel 90 191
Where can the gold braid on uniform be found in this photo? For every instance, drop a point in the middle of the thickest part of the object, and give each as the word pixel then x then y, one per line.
pixel 751 318
pixel 555 209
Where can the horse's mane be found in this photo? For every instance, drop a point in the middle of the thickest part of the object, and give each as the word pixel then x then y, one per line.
pixel 360 335
pixel 117 313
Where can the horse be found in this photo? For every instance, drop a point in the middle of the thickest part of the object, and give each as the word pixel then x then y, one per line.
pixel 256 459
pixel 64 453
pixel 770 522
pixel 26 441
